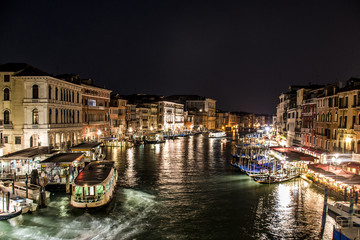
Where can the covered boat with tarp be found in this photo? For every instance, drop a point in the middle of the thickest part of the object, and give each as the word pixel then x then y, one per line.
pixel 95 185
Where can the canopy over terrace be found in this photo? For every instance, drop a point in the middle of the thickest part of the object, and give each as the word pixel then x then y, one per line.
pixel 24 161
pixel 293 155
pixel 312 151
pixel 58 166
pixel 339 177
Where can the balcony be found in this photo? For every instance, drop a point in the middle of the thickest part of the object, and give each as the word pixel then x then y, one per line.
pixel 8 125
pixel 357 128
pixel 96 107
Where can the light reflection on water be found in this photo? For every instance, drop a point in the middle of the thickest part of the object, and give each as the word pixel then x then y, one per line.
pixel 183 189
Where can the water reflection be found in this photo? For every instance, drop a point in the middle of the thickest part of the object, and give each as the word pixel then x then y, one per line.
pixel 182 189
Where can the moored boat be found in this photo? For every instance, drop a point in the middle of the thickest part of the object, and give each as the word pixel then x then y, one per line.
pixel 274 178
pixel 95 185
pixel 20 190
pixel 218 134
pixel 341 208
pixel 9 215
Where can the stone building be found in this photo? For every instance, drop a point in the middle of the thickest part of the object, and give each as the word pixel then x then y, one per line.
pixel 96 111
pixel 38 109
pixel 203 109
pixel 117 116
pixel 170 116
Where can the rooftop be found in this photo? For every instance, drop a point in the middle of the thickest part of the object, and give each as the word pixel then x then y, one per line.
pixel 29 153
pixel 63 157
pixel 94 173
pixel 86 146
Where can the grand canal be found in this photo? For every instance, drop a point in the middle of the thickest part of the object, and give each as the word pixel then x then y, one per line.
pixel 182 189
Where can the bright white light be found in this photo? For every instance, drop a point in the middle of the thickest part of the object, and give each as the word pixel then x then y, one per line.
pixel 99 132
pixel 348 140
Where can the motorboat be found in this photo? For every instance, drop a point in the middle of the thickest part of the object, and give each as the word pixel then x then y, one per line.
pixel 95 185
pixel 218 134
pixel 20 190
pixel 341 208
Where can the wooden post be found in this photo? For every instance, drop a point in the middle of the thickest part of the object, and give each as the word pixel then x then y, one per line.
pixel 8 202
pixel 13 185
pixel 67 182
pixel 26 185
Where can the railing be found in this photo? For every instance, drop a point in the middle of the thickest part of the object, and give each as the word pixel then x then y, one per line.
pixel 357 128
pixel 88 199
pixel 8 125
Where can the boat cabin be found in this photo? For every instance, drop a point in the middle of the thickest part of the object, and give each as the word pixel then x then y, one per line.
pixel 95 185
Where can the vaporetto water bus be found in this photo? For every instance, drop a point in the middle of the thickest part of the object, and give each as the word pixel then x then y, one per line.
pixel 95 185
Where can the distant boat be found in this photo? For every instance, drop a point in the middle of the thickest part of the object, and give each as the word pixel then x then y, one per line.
pixel 95 185
pixel 274 178
pixel 218 134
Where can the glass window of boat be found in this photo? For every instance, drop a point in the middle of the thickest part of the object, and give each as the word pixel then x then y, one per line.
pixel 92 190
pixel 78 191
pixel 99 190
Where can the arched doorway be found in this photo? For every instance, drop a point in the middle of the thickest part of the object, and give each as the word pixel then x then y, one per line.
pixel 34 140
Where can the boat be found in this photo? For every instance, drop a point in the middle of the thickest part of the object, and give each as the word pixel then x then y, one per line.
pixel 9 215
pixel 218 134
pixel 20 190
pixel 95 185
pixel 26 204
pixel 341 208
pixel 275 178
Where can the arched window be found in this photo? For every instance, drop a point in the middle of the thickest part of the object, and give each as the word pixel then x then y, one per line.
pixel 6 94
pixel 6 117
pixel 56 93
pixel 72 97
pixel 73 116
pixel 35 116
pixel 336 117
pixel 77 97
pixel 56 116
pixel 49 92
pixel 78 116
pixel 317 117
pixel 50 116
pixel 330 117
pixel 35 91
pixel 323 117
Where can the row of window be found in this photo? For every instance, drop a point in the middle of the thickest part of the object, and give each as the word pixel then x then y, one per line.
pixel 61 116
pixel 65 95
pixel 17 139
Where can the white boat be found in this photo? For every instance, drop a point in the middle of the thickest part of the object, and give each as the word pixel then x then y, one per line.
pixel 95 185
pixel 219 134
pixel 25 204
pixel 342 208
pixel 20 190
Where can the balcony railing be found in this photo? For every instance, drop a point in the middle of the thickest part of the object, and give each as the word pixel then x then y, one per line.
pixel 8 125
pixel 357 128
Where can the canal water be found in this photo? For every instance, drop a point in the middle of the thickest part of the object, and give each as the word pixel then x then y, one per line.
pixel 182 189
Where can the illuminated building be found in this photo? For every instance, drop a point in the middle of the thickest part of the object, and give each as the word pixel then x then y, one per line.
pixel 38 109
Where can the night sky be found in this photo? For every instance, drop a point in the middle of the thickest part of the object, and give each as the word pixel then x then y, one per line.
pixel 243 54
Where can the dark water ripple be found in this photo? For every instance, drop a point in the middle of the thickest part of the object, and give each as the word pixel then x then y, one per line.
pixel 183 189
